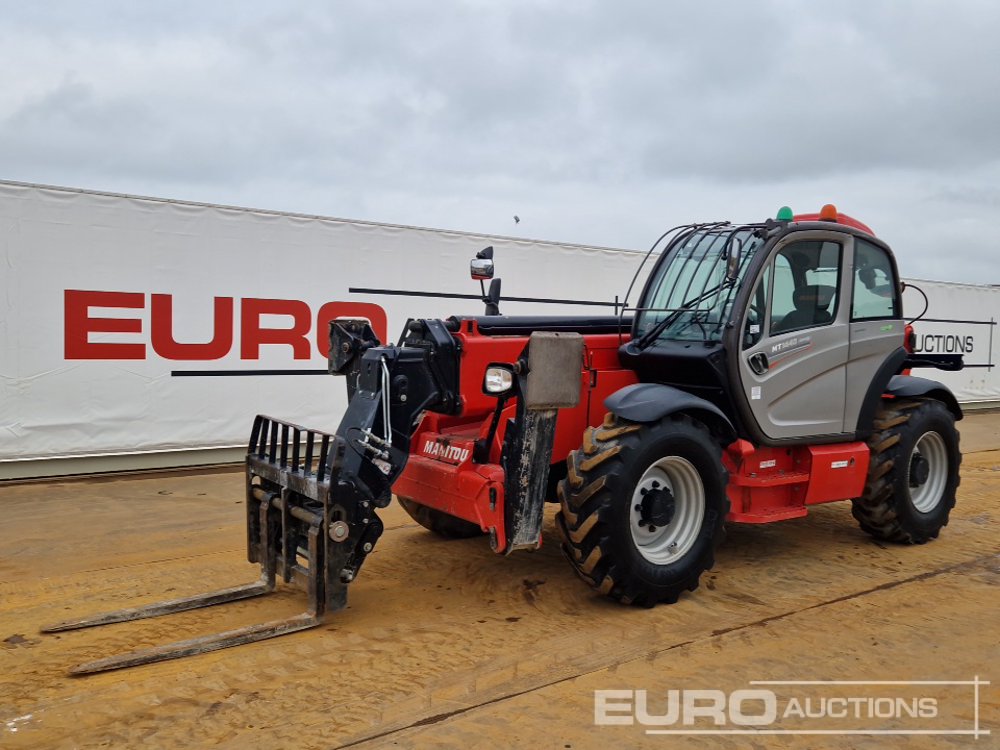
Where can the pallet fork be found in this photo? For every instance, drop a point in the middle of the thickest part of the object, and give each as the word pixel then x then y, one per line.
pixel 295 531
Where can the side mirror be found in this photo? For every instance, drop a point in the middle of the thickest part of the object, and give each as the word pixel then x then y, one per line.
pixel 482 265
pixel 481 268
pixel 733 259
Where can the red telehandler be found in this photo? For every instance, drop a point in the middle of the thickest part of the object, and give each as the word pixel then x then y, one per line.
pixel 764 369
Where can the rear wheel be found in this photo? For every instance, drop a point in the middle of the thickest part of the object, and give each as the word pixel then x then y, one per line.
pixel 442 524
pixel 913 474
pixel 642 508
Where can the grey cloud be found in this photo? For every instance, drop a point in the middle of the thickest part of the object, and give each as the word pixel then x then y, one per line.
pixel 594 122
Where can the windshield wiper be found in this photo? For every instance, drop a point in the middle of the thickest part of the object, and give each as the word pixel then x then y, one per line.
pixel 647 339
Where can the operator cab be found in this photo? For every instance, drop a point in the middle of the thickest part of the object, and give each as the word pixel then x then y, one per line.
pixel 795 343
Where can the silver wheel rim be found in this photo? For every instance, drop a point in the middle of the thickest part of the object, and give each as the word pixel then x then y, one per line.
pixel 927 496
pixel 667 544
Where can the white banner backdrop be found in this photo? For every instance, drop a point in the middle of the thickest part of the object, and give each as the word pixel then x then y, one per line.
pixel 144 327
pixel 116 308
pixel 960 319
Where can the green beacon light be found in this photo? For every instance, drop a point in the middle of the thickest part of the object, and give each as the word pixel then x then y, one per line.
pixel 785 214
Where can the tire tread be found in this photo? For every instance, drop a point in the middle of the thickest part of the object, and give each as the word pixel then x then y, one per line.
pixel 878 510
pixel 587 501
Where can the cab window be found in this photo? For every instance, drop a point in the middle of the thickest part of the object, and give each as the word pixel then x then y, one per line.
pixel 876 292
pixel 753 330
pixel 805 288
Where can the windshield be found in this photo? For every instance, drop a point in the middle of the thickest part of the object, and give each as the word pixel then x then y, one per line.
pixel 690 286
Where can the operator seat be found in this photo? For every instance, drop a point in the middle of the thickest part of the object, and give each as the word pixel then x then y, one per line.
pixel 811 303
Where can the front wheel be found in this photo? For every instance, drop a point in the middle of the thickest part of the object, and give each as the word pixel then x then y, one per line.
pixel 642 508
pixel 913 475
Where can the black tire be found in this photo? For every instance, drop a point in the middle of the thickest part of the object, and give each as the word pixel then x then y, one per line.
pixel 903 501
pixel 597 513
pixel 442 524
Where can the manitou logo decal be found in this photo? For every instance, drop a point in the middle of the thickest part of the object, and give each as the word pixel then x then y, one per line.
pixel 307 334
pixel 446 452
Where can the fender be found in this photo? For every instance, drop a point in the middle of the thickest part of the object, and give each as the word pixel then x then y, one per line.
pixel 650 402
pixel 904 386
pixel 889 368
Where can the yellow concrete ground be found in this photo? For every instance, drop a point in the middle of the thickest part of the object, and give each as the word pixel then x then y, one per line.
pixel 447 645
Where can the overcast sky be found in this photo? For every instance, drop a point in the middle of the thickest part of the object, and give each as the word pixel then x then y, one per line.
pixel 597 123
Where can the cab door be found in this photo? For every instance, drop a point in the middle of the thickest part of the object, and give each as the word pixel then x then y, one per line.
pixel 876 323
pixel 796 338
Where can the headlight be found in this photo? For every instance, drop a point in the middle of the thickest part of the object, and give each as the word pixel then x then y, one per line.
pixel 498 380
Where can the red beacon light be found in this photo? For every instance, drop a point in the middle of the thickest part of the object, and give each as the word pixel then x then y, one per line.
pixel 829 212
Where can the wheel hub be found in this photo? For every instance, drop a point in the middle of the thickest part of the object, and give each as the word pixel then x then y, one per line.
pixel 657 506
pixel 920 470
pixel 666 510
pixel 928 472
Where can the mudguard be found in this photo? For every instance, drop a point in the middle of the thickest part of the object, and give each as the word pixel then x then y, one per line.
pixel 650 402
pixel 908 386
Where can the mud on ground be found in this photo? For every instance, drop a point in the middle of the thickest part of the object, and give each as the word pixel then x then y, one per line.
pixel 447 645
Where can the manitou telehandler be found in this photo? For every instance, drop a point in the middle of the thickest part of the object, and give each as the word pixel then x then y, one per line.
pixel 764 369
